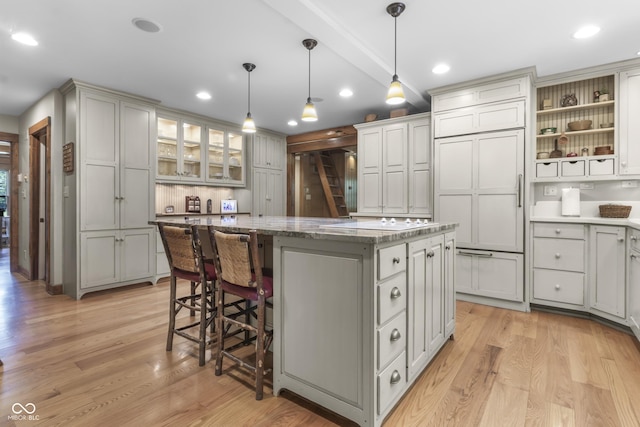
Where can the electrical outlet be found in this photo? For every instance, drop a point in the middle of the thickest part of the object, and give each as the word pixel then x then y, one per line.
pixel 586 186
pixel 550 190
pixel 629 184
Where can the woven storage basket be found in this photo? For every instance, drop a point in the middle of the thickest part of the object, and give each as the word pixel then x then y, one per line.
pixel 614 211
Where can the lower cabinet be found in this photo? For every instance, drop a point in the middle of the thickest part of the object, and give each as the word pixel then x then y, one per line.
pixel 634 289
pixel 108 258
pixel 607 271
pixel 490 274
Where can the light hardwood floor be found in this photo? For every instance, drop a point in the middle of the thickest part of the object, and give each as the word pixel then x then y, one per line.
pixel 101 361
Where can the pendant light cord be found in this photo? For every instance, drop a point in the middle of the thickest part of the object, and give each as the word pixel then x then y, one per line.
pixel 395 46
pixel 249 94
pixel 309 74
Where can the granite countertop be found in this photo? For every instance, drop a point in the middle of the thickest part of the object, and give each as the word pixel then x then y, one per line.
pixel 315 228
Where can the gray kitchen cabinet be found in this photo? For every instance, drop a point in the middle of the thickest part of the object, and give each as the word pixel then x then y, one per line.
pixel 112 190
pixel 607 256
pixel 629 100
pixel 394 166
pixel 633 281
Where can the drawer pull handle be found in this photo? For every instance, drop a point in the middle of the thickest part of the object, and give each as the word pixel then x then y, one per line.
pixel 396 260
pixel 557 286
pixel 395 335
pixel 395 377
pixel 557 254
pixel 557 231
pixel 395 293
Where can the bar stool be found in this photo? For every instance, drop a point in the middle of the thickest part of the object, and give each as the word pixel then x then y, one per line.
pixel 186 261
pixel 234 257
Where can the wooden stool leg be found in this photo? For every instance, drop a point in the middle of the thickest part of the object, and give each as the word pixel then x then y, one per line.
pixel 220 326
pixel 172 312
pixel 260 347
pixel 193 298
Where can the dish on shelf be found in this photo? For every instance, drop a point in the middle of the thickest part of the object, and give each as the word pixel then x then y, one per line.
pixel 569 100
pixel 606 125
pixel 604 149
pixel 543 155
pixel 548 130
pixel 579 125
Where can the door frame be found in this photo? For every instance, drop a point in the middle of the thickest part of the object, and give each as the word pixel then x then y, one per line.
pixel 40 133
pixel 13 139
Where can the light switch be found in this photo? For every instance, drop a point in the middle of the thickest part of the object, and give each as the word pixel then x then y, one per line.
pixel 550 190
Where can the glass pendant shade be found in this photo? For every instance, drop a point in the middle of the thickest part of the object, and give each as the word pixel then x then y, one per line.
pixel 309 113
pixel 249 126
pixel 395 95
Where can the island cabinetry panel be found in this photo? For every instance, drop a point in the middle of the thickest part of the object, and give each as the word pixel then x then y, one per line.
pixel 559 264
pixel 633 281
pixel 607 258
pixel 385 301
pixel 629 152
pixel 394 166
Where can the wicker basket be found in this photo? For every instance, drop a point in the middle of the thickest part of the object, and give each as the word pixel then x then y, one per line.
pixel 614 211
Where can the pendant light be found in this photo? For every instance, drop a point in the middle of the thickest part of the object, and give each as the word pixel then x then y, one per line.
pixel 395 95
pixel 249 125
pixel 309 113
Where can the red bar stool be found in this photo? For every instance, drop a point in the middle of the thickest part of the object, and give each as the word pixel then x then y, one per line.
pixel 239 273
pixel 186 261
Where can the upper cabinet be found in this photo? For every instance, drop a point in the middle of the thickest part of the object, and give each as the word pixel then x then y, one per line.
pixel 192 150
pixel 629 99
pixel 587 151
pixel 394 166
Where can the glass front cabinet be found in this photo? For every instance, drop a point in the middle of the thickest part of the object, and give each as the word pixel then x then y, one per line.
pixel 199 152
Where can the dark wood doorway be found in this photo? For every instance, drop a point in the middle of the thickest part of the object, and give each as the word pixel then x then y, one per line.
pixel 13 139
pixel 40 173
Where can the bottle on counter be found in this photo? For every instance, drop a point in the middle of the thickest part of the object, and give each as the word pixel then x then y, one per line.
pixel 585 152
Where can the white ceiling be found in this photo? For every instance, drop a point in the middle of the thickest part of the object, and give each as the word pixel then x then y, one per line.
pixel 203 44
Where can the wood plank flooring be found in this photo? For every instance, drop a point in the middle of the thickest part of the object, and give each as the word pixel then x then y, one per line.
pixel 101 361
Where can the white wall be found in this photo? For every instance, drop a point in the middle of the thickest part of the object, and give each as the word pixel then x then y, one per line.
pixel 9 124
pixel 51 105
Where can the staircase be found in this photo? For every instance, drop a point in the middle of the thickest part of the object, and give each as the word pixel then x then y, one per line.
pixel 331 185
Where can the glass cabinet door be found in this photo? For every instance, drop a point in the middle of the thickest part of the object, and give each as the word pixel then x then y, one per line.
pixel 191 150
pixel 216 155
pixel 167 148
pixel 236 157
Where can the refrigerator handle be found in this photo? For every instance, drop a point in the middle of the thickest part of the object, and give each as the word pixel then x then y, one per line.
pixel 520 190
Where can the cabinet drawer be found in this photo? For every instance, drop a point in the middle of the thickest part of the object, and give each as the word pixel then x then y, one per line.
pixel 558 254
pixel 572 168
pixel 601 167
pixel 557 230
pixel 391 382
pixel 391 260
pixel 392 339
pixel 559 286
pixel 392 298
pixel 547 170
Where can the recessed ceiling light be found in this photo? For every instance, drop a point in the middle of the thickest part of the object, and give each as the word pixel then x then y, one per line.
pixel 204 95
pixel 146 25
pixel 345 93
pixel 586 31
pixel 24 38
pixel 292 123
pixel 440 69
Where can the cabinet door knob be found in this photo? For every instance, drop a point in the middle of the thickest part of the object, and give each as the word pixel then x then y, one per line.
pixel 430 254
pixel 633 256
pixel 557 255
pixel 623 164
pixel 395 335
pixel 557 231
pixel 448 247
pixel 634 238
pixel 395 377
pixel 557 286
pixel 620 239
pixel 396 260
pixel 395 293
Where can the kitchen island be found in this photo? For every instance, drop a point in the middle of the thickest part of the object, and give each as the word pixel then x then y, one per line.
pixel 360 308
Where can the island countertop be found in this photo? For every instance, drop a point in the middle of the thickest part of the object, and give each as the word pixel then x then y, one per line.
pixel 348 230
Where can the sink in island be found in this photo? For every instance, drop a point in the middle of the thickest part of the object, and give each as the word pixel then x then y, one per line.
pixel 358 310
